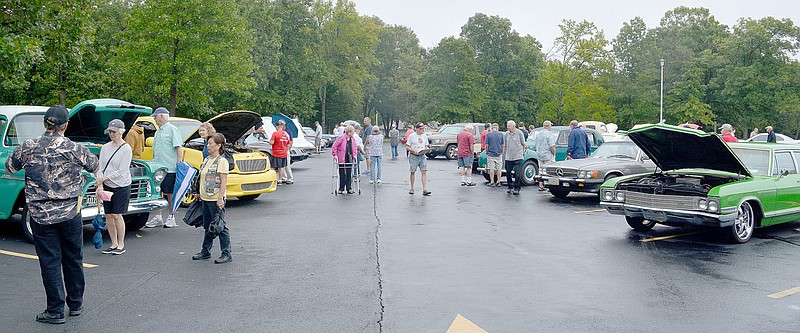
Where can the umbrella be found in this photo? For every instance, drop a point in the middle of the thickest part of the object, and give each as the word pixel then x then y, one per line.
pixel 290 126
pixel 98 223
pixel 183 180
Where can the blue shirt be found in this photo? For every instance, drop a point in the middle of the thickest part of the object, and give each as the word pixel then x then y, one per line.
pixel 578 143
pixel 494 143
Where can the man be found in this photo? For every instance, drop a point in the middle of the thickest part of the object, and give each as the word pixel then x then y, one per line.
pixel 318 137
pixel 754 133
pixel 465 140
pixel 167 150
pixel 727 133
pixel 522 129
pixel 486 129
pixel 578 144
pixel 280 148
pixel 53 186
pixel 770 135
pixel 367 132
pixel 394 138
pixel 362 154
pixel 417 146
pixel 545 149
pixel 494 155
pixel 512 154
pixel 339 130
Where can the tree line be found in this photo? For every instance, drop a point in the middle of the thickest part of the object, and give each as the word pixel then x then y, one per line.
pixel 322 60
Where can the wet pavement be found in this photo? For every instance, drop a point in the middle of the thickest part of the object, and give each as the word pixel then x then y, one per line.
pixel 306 260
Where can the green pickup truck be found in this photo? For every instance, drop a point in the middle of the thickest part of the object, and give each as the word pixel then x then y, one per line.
pixel 87 123
pixel 530 162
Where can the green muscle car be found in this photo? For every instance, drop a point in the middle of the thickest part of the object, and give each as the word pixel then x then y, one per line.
pixel 705 182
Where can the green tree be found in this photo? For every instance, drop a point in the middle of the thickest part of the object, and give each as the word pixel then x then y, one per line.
pixel 635 83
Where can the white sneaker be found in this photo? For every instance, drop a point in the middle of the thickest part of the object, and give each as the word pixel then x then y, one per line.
pixel 371 181
pixel 154 222
pixel 379 181
pixel 170 222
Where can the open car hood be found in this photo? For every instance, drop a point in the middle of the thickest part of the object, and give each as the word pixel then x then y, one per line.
pixel 232 124
pixel 672 147
pixel 89 120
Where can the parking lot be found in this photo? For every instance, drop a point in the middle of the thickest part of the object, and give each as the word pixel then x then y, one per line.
pixel 386 261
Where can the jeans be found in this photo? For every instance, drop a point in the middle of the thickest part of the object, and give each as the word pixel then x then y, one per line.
pixel 345 177
pixel 394 152
pixel 376 167
pixel 515 166
pixel 60 248
pixel 209 211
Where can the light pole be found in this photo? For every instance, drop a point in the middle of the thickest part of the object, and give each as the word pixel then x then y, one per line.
pixel 661 108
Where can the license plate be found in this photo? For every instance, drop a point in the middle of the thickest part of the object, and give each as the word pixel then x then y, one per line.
pixel 654 215
pixel 552 181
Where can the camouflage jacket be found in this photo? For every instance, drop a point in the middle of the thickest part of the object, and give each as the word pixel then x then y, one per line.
pixel 53 181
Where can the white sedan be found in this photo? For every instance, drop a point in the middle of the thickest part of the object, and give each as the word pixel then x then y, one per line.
pixel 780 138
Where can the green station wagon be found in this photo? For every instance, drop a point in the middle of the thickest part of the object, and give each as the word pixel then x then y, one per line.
pixel 705 182
pixel 87 123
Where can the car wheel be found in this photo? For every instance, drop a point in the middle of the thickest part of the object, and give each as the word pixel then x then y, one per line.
pixel 559 192
pixel 451 153
pixel 742 228
pixel 26 224
pixel 250 197
pixel 431 155
pixel 639 223
pixel 135 222
pixel 188 199
pixel 529 171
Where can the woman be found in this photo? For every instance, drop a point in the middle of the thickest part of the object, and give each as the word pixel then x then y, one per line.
pixel 205 131
pixel 213 182
pixel 114 176
pixel 344 152
pixel 375 154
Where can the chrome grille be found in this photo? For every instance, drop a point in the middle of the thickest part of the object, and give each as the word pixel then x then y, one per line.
pixel 565 172
pixel 678 202
pixel 139 189
pixel 252 165
pixel 255 187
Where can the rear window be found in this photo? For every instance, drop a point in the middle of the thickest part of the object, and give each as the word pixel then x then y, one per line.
pixel 784 161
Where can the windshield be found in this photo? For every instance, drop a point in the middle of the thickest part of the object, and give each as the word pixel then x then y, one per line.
pixel 186 126
pixel 451 129
pixel 24 127
pixel 626 150
pixel 536 132
pixel 757 161
pixel 309 132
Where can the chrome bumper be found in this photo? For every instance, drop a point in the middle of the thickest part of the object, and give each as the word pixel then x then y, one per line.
pixel 89 213
pixel 671 216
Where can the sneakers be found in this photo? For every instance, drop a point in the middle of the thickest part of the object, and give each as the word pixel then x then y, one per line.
pixel 470 184
pixel 201 256
pixel 289 182
pixel 497 185
pixel 371 181
pixel 117 252
pixel 76 312
pixel 154 222
pixel 223 259
pixel 379 181
pixel 350 191
pixel 426 193
pixel 509 190
pixel 46 317
pixel 463 183
pixel 515 191
pixel 109 250
pixel 170 222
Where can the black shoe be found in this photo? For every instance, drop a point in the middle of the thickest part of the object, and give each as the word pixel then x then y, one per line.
pixel 109 250
pixel 46 317
pixel 515 191
pixel 497 185
pixel 117 252
pixel 471 184
pixel 350 191
pixel 223 259
pixel 489 184
pixel 201 256
pixel 463 183
pixel 541 189
pixel 76 312
pixel 426 193
pixel 508 191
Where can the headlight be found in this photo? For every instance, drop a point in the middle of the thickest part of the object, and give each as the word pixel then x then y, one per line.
pixel 158 177
pixel 620 196
pixel 608 195
pixel 713 206
pixel 543 170
pixel 581 174
pixel 702 204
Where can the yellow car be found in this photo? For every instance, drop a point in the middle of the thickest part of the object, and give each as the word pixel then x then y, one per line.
pixel 250 174
pixel 186 126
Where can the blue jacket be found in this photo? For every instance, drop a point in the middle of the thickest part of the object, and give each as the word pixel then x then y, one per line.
pixel 578 143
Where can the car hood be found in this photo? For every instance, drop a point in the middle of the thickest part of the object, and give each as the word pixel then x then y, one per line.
pixel 232 124
pixel 672 147
pixel 89 120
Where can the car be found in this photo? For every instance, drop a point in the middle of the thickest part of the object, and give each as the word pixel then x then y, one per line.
pixel 530 161
pixel 733 188
pixel 186 126
pixel 779 138
pixel 87 124
pixel 260 141
pixel 443 142
pixel 311 135
pixel 612 159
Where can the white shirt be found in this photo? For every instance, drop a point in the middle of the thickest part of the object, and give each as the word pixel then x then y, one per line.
pixel 417 141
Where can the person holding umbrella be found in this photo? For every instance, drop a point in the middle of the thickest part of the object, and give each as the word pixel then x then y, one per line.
pixel 114 176
pixel 213 182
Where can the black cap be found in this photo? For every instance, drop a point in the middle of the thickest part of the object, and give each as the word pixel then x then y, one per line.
pixel 56 115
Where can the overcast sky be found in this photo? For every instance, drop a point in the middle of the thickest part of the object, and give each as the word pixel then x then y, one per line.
pixel 433 20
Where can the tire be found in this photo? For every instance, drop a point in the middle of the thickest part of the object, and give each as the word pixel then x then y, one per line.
pixel 431 155
pixel 559 192
pixel 529 170
pixel 451 152
pixel 250 197
pixel 135 222
pixel 26 224
pixel 639 223
pixel 742 228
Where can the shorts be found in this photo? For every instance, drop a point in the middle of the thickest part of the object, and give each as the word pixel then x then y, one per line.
pixel 415 162
pixel 168 185
pixel 494 163
pixel 317 141
pixel 465 162
pixel 543 163
pixel 119 201
pixel 280 163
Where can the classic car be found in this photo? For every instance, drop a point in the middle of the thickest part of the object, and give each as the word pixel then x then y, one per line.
pixel 259 141
pixel 530 161
pixel 734 187
pixel 186 126
pixel 310 136
pixel 779 138
pixel 444 142
pixel 87 123
pixel 612 159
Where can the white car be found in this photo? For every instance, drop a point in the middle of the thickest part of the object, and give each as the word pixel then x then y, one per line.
pixel 779 138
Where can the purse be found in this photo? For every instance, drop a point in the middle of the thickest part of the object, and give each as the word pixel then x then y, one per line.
pixel 217 224
pixel 194 214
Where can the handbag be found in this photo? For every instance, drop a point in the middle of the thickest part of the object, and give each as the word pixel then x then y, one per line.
pixel 194 214
pixel 217 224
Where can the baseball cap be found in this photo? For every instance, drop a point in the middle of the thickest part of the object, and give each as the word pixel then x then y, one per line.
pixel 726 127
pixel 160 110
pixel 420 125
pixel 56 115
pixel 116 125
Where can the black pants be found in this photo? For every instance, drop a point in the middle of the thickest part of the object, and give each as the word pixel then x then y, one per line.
pixel 60 248
pixel 345 177
pixel 209 211
pixel 515 166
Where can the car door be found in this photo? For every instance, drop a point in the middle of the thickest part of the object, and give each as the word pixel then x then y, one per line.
pixel 787 186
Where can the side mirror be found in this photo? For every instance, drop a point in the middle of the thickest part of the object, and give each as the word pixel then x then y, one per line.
pixel 785 172
pixel 149 142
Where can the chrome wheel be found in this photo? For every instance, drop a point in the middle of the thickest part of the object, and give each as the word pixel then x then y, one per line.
pixel 742 228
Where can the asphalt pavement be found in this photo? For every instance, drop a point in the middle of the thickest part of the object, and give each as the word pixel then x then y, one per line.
pixel 306 260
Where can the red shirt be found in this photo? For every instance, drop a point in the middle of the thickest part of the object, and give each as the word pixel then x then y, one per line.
pixel 280 145
pixel 729 138
pixel 465 141
pixel 483 138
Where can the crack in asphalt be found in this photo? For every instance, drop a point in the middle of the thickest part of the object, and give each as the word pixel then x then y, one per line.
pixel 377 256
